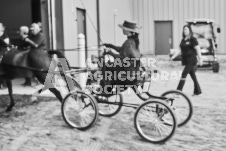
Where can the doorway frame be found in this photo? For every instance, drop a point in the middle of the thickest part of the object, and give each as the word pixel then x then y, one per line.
pixel 172 40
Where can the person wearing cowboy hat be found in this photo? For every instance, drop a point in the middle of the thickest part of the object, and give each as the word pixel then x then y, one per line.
pixel 129 50
pixel 36 39
pixel 130 47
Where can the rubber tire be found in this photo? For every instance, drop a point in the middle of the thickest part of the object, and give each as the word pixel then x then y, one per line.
pixel 216 67
pixel 189 103
pixel 95 108
pixel 171 112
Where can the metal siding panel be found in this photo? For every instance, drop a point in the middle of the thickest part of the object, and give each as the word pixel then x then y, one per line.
pixel 155 9
pixel 146 26
pixel 223 29
pixel 151 27
pixel 181 12
pixel 217 11
pixel 160 10
pixel 222 18
pixel 211 8
pixel 206 8
pixel 141 22
pixel 176 28
pixel 170 4
pixel 190 9
pixel 136 12
pixel 201 8
pixel 186 10
pixel 166 10
pixel 218 21
pixel 196 9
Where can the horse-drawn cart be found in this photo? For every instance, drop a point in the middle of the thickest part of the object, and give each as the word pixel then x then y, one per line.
pixel 155 120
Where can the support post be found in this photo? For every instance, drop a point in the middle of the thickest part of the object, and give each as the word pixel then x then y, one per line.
pixel 82 59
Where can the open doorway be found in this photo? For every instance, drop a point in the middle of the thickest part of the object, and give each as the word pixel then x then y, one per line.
pixel 163 37
pixel 17 13
pixel 36 11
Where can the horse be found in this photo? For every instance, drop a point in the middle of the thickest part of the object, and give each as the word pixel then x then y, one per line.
pixel 13 60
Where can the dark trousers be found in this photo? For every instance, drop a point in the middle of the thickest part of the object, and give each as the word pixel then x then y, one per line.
pixel 189 69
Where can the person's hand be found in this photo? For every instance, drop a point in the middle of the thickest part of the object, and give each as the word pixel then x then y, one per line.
pixel 26 39
pixel 107 51
pixel 107 45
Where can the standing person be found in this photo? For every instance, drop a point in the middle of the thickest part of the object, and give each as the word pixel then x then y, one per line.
pixel 23 45
pixel 189 50
pixel 4 43
pixel 36 39
pixel 4 40
pixel 129 50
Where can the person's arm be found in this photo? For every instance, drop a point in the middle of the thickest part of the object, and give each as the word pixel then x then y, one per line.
pixel 32 43
pixel 198 50
pixel 40 41
pixel 176 54
pixel 114 54
pixel 117 48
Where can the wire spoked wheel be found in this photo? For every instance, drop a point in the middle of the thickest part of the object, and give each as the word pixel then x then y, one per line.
pixel 181 105
pixel 155 121
pixel 110 106
pixel 79 110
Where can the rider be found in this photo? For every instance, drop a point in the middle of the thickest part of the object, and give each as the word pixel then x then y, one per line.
pixel 129 51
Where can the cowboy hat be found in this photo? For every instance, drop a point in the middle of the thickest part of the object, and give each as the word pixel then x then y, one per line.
pixel 130 26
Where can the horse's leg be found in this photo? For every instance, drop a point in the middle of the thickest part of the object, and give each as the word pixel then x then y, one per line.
pixel 56 93
pixel 10 89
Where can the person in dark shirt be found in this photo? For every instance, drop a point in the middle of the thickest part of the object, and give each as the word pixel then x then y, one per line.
pixel 189 50
pixel 36 39
pixel 4 43
pixel 4 40
pixel 23 45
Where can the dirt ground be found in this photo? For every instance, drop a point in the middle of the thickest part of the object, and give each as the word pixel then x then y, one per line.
pixel 40 126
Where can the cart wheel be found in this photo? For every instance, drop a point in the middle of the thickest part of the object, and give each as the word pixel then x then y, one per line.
pixel 110 106
pixel 155 121
pixel 181 104
pixel 79 110
pixel 216 67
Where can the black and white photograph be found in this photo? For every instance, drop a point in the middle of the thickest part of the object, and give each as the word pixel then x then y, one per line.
pixel 112 75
